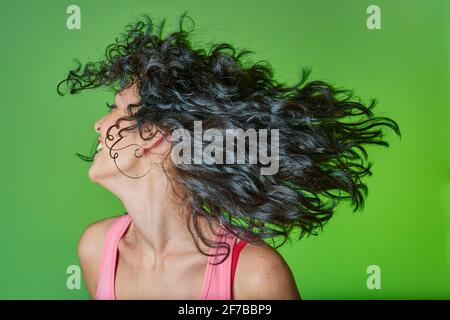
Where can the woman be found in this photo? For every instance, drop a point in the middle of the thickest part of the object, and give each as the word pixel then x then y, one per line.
pixel 188 224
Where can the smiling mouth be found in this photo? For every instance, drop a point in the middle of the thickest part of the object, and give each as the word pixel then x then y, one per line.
pixel 99 147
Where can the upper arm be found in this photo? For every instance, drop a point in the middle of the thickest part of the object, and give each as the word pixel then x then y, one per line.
pixel 262 273
pixel 90 250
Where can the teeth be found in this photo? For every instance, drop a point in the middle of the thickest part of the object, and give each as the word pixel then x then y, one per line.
pixel 99 147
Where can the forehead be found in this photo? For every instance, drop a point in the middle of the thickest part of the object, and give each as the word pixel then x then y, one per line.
pixel 127 95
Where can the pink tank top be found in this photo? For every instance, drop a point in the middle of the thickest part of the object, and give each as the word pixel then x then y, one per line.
pixel 217 281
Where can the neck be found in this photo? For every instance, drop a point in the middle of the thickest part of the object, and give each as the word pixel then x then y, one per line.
pixel 159 219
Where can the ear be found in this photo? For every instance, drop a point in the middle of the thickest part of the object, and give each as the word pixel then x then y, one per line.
pixel 156 140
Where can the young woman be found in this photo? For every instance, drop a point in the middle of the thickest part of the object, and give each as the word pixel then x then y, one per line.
pixel 196 229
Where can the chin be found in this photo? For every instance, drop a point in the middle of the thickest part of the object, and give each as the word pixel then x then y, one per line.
pixel 98 173
pixel 93 174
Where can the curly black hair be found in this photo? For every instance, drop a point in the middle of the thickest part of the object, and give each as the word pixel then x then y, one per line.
pixel 323 130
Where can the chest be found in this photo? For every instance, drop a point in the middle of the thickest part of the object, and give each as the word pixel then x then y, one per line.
pixel 177 278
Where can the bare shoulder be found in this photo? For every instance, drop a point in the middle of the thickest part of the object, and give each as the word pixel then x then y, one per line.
pixel 93 236
pixel 262 273
pixel 90 249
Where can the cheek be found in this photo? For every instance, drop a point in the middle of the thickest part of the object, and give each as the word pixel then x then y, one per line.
pixel 112 127
pixel 108 126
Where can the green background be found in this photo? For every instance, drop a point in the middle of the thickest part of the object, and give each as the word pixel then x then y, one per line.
pixel 47 198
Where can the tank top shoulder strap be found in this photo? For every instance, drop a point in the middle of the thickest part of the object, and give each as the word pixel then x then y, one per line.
pixel 105 284
pixel 218 278
pixel 237 250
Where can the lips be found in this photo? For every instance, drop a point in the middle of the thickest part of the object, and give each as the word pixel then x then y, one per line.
pixel 100 145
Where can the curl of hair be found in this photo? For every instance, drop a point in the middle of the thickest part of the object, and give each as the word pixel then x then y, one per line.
pixel 323 130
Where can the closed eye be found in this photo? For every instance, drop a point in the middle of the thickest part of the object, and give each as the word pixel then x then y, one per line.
pixel 111 106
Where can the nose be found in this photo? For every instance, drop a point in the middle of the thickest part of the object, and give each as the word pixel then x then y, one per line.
pixel 98 124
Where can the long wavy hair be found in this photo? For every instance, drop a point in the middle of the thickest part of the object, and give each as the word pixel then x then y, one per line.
pixel 323 130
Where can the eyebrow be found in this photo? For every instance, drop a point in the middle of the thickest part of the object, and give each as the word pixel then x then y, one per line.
pixel 116 95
